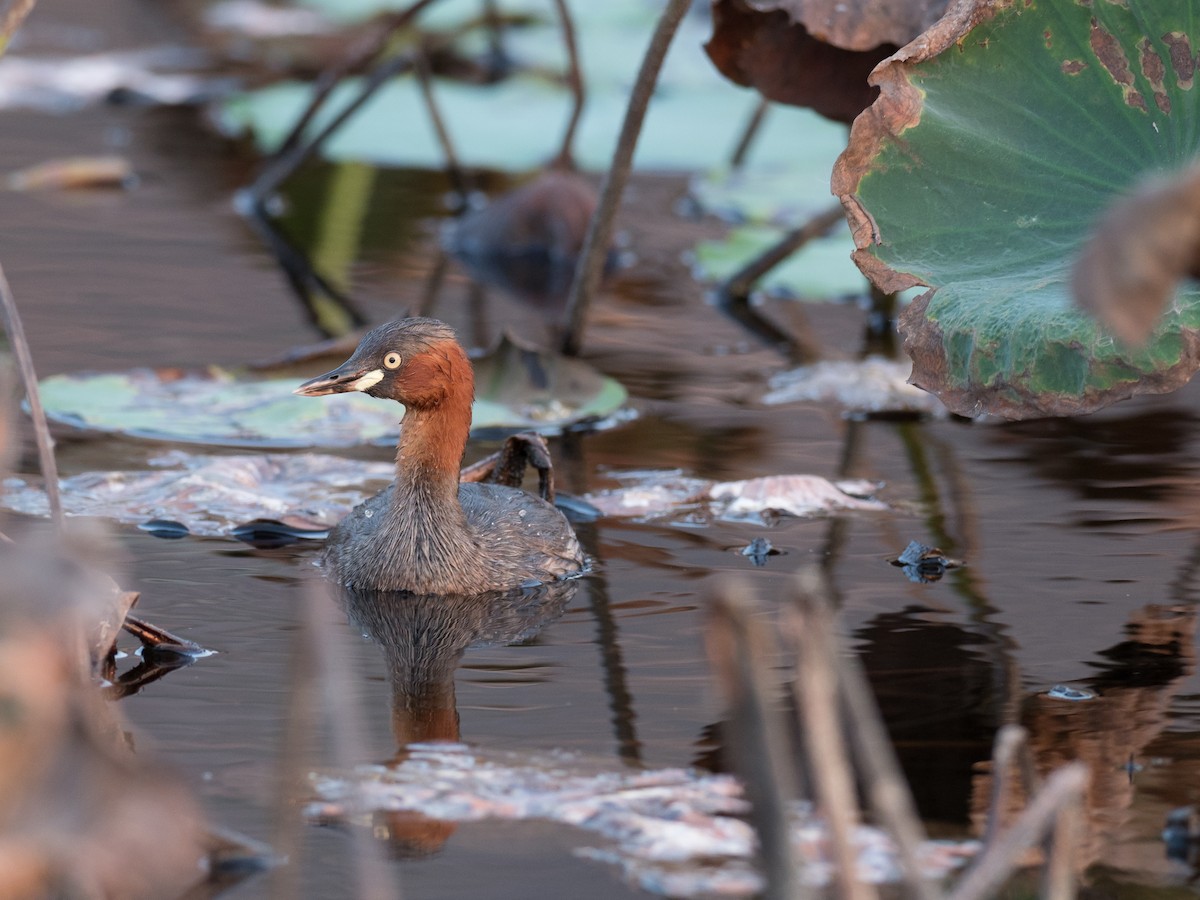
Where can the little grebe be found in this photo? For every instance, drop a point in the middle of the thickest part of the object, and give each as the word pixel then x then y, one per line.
pixel 427 533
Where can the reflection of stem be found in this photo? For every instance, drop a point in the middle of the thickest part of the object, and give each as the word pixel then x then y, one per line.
pixel 616 683
pixel 339 229
pixel 749 133
pixel 599 235
pixel 572 474
pixel 325 305
pixel 733 295
pixel 574 82
pixel 347 730
pixel 839 526
pixel 41 431
pixel 912 437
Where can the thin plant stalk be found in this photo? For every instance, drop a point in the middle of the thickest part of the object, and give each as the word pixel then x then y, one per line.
pixel 1063 789
pixel 566 155
pixel 737 288
pixel 282 165
pixel 815 686
pixel 886 790
pixel 753 125
pixel 41 431
pixel 16 14
pixel 360 54
pixel 454 168
pixel 1059 880
pixel 742 652
pixel 1005 751
pixel 599 235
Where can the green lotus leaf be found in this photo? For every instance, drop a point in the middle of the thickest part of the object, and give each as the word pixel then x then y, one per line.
pixel 822 270
pixel 516 389
pixel 999 138
pixel 515 125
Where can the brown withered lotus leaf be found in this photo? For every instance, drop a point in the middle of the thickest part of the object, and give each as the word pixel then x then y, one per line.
pixel 859 24
pixel 1126 274
pixel 813 54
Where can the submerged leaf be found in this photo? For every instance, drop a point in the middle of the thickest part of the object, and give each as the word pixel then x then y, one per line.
pixel 677 832
pixel 998 139
pixel 872 385
pixel 653 494
pixel 209 495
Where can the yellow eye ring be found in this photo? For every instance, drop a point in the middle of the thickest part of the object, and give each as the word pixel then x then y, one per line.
pixel 392 360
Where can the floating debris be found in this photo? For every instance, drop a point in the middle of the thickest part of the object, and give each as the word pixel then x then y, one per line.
pixel 662 493
pixel 74 173
pixel 249 18
pixel 758 550
pixel 210 495
pixel 68 83
pixel 924 565
pixel 1066 692
pixel 871 386
pixel 673 831
pixel 168 529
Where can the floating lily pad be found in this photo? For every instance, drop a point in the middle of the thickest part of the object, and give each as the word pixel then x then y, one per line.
pixel 515 124
pixel 997 141
pixel 821 270
pixel 516 389
pixel 784 196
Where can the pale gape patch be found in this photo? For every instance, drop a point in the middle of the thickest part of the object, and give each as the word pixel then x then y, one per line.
pixel 365 381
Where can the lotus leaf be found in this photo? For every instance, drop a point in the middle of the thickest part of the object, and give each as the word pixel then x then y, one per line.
pixel 516 388
pixel 999 138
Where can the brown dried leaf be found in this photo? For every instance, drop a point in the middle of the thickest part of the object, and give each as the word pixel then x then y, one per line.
pixel 765 50
pixel 859 24
pixel 1126 274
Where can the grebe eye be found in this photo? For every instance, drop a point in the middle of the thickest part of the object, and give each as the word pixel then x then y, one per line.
pixel 392 360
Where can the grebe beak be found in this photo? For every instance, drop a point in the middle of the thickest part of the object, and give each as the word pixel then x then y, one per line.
pixel 343 379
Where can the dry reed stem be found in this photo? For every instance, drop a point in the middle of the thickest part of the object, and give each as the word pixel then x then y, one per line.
pixel 41 431
pixel 1005 751
pixel 366 50
pixel 566 155
pixel 815 685
pixel 594 252
pixel 886 790
pixel 1063 791
pixel 12 20
pixel 741 651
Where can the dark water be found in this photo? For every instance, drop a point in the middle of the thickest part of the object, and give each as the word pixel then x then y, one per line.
pixel 1080 536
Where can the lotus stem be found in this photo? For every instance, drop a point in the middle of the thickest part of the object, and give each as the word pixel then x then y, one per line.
pixel 595 246
pixel 41 430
